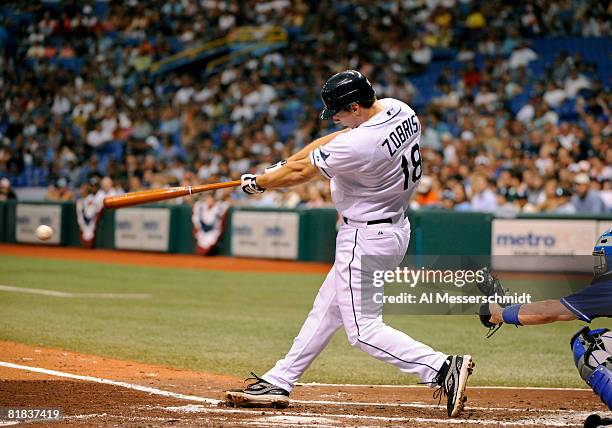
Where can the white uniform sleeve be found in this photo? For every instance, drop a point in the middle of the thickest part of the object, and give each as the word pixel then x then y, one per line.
pixel 337 156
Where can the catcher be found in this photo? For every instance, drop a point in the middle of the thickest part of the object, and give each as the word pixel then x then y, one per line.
pixel 592 349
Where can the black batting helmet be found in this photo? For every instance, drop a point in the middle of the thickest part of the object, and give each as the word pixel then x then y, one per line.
pixel 343 89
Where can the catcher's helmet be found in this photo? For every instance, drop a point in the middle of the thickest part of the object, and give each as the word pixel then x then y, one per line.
pixel 343 89
pixel 603 254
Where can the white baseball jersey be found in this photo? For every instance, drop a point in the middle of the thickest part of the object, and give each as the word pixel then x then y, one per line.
pixel 374 168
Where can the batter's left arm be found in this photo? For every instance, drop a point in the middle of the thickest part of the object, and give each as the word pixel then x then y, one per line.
pixel 294 172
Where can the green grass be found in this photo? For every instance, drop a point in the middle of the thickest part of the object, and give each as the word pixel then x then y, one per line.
pixel 233 323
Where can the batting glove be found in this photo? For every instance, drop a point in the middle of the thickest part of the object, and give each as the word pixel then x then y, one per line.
pixel 275 166
pixel 249 184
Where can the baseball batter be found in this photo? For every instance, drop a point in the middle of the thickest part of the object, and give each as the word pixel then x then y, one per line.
pixel 374 166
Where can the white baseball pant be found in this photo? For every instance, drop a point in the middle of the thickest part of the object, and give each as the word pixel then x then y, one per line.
pixel 338 303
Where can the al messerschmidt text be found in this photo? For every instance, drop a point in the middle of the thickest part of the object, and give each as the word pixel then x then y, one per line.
pixel 448 298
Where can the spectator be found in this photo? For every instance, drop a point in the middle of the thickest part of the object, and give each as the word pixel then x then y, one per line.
pixel 486 98
pixel 566 136
pixel 421 56
pixel 449 99
pixel 527 112
pixel 427 195
pixel 483 198
pixel 586 200
pixel 522 204
pixel 460 200
pixel 106 189
pixel 59 192
pixel 475 21
pixel 564 203
pixel 575 82
pixel 6 192
pixel 554 95
pixel 522 56
pixel 505 208
pixel 99 136
pixel 606 195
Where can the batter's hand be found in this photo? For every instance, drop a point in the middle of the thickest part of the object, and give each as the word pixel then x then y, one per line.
pixel 275 166
pixel 249 184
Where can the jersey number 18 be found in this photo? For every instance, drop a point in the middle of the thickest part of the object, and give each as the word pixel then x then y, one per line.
pixel 417 166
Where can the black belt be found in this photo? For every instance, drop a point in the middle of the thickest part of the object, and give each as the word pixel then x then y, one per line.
pixel 371 222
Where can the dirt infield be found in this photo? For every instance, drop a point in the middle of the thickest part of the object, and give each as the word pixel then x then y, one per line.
pixel 174 397
pixel 103 392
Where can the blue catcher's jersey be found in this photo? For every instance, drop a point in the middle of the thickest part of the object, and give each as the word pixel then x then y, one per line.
pixel 593 301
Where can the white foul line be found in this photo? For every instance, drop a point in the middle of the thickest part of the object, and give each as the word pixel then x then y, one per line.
pixel 155 391
pixel 141 388
pixel 54 293
pixel 363 385
pixel 523 422
pixel 423 406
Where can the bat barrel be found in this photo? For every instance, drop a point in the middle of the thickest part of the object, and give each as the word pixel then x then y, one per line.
pixel 144 197
pixel 155 195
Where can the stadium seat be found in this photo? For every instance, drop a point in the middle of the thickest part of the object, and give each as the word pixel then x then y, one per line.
pixel 285 129
pixel 567 110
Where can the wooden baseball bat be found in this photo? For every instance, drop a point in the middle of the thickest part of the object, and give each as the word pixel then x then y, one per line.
pixel 154 195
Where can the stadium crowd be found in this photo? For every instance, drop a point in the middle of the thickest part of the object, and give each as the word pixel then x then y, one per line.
pixel 507 127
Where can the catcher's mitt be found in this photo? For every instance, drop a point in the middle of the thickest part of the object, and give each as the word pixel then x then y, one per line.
pixel 490 286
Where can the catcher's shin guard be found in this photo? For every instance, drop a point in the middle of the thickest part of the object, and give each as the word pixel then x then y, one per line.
pixel 590 349
pixel 601 382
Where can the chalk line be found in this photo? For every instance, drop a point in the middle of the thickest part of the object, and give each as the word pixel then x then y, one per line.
pixel 425 406
pixel 546 421
pixel 65 294
pixel 363 385
pixel 133 386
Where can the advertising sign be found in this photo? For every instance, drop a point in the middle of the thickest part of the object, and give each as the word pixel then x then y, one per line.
pixel 142 229
pixel 30 216
pixel 265 234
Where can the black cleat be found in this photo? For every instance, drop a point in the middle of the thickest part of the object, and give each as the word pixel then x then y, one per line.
pixel 258 394
pixel 452 379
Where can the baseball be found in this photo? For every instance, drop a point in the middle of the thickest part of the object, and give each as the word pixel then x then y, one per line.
pixel 44 232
